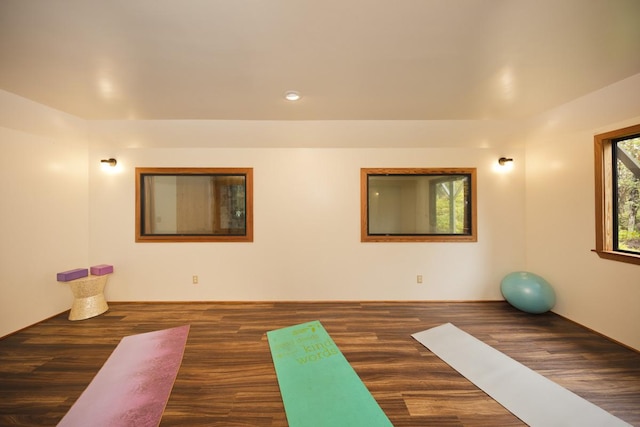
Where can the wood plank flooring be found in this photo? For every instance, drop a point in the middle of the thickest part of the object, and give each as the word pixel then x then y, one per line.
pixel 227 376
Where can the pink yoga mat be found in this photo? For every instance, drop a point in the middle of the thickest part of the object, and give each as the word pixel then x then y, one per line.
pixel 133 386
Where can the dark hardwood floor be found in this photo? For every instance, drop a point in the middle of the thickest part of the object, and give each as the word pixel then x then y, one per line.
pixel 227 376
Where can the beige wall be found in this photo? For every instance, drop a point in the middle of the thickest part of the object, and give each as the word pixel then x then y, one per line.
pixel 601 294
pixel 43 219
pixel 306 230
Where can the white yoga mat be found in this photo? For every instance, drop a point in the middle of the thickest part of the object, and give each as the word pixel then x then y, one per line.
pixel 528 395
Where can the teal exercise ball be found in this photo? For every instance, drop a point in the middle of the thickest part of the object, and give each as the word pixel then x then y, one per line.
pixel 528 292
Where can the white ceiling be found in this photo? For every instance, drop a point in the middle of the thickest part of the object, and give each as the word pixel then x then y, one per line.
pixel 350 59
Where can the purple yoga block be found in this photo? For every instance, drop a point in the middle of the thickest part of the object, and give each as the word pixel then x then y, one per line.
pixel 65 276
pixel 101 270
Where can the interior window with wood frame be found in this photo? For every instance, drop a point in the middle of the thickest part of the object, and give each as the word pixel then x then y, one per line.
pixel 617 194
pixel 194 204
pixel 418 205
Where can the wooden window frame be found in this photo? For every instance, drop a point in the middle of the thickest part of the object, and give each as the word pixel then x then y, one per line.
pixel 604 193
pixel 165 238
pixel 364 211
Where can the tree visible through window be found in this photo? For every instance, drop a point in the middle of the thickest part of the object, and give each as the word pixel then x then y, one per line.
pixel 450 205
pixel 617 173
pixel 626 155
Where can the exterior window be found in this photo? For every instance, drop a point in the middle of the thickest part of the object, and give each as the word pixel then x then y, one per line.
pixel 617 171
pixel 421 205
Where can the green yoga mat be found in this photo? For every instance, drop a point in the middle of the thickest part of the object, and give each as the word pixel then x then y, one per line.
pixel 318 386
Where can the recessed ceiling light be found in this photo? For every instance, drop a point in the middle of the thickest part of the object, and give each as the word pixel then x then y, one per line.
pixel 292 95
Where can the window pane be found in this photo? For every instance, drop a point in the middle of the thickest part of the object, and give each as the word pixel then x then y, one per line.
pixel 194 205
pixel 417 204
pixel 627 201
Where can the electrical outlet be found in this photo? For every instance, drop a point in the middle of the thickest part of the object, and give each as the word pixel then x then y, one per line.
pixel 195 280
pixel 419 278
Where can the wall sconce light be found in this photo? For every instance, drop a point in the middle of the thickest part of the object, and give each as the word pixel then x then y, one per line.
pixel 504 160
pixel 109 162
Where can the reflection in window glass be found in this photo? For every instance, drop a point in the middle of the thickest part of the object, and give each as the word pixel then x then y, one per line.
pixel 194 205
pixel 418 205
